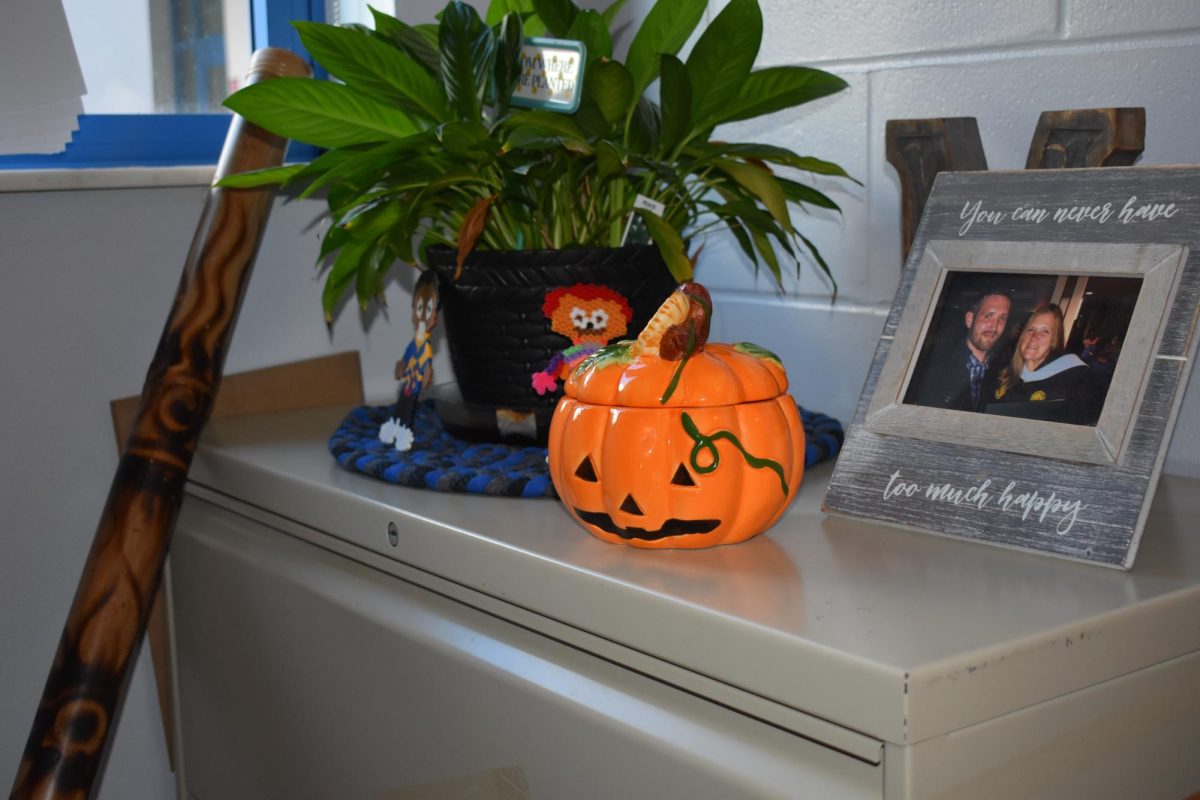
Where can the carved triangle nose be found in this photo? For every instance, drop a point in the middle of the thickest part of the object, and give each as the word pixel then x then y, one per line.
pixel 630 506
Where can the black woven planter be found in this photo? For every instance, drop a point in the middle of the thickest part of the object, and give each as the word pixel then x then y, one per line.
pixel 495 327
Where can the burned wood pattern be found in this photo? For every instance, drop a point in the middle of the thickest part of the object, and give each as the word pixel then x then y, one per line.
pixel 921 148
pixel 72 727
pixel 1089 137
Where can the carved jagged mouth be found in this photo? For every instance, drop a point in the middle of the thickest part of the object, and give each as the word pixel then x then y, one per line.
pixel 672 527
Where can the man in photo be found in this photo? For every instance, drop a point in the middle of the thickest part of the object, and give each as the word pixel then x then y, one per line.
pixel 963 376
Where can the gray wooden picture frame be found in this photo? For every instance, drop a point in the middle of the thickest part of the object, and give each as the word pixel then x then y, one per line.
pixel 1075 491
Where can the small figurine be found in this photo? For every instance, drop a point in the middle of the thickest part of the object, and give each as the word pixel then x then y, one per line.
pixel 590 316
pixel 415 369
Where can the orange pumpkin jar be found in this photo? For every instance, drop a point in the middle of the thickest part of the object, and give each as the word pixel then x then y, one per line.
pixel 671 442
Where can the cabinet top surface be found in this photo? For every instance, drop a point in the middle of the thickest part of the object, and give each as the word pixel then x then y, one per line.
pixel 897 634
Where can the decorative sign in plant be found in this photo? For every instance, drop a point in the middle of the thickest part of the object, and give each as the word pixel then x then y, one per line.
pixel 551 75
pixel 1027 380
pixel 670 441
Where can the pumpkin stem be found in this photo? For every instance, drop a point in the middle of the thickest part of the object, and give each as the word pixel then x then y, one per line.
pixel 680 326
pixel 673 311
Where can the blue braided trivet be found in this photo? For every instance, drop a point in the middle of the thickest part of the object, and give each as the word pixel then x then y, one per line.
pixel 446 463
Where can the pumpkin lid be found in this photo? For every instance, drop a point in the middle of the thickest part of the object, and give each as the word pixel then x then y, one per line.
pixel 718 375
pixel 671 364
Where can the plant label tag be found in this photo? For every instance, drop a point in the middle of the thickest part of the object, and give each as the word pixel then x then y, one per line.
pixel 635 228
pixel 653 206
pixel 551 75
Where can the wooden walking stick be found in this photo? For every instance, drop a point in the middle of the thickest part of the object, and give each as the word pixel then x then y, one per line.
pixel 71 730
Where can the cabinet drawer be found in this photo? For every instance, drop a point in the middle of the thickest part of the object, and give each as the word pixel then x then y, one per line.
pixel 304 674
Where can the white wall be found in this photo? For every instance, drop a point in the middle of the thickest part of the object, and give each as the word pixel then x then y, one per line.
pixel 88 275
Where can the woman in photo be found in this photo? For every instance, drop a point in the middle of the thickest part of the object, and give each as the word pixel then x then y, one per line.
pixel 1044 382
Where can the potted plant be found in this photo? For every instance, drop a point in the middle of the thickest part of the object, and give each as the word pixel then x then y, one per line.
pixel 428 162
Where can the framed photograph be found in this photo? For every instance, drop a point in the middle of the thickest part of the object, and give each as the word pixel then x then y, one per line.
pixel 1027 379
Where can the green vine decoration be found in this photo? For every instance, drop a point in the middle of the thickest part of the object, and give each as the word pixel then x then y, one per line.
pixel 687 353
pixel 708 443
pixel 615 353
pixel 751 349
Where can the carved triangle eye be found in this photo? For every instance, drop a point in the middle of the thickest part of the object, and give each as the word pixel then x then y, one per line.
pixel 630 506
pixel 585 471
pixel 682 477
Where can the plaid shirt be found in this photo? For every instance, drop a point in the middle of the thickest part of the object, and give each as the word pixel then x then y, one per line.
pixel 976 368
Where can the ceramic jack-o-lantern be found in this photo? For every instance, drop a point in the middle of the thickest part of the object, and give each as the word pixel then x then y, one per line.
pixel 670 441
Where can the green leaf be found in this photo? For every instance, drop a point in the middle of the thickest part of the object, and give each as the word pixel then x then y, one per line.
pixel 373 223
pixel 429 32
pixel 400 238
pixel 669 244
pixel 422 175
pixel 319 112
pixel 589 27
pixel 370 65
pixel 468 140
pixel 468 53
pixel 723 56
pixel 762 184
pixel 330 159
pixel 557 14
pixel 548 121
pixel 664 171
pixel 349 260
pixel 591 120
pixel 410 40
pixel 497 9
pixel 816 254
pixel 454 178
pixel 676 93
pixel 763 245
pixel 774 89
pixel 610 14
pixel 741 209
pixel 535 137
pixel 771 153
pixel 369 281
pixel 271 176
pixel 342 198
pixel 376 161
pixel 507 71
pixel 609 163
pixel 818 167
pixel 533 25
pixel 799 193
pixel 610 85
pixel 743 240
pixel 645 127
pixel 334 238
pixel 665 29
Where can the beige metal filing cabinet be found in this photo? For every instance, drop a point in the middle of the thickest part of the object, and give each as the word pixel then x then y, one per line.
pixel 338 637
